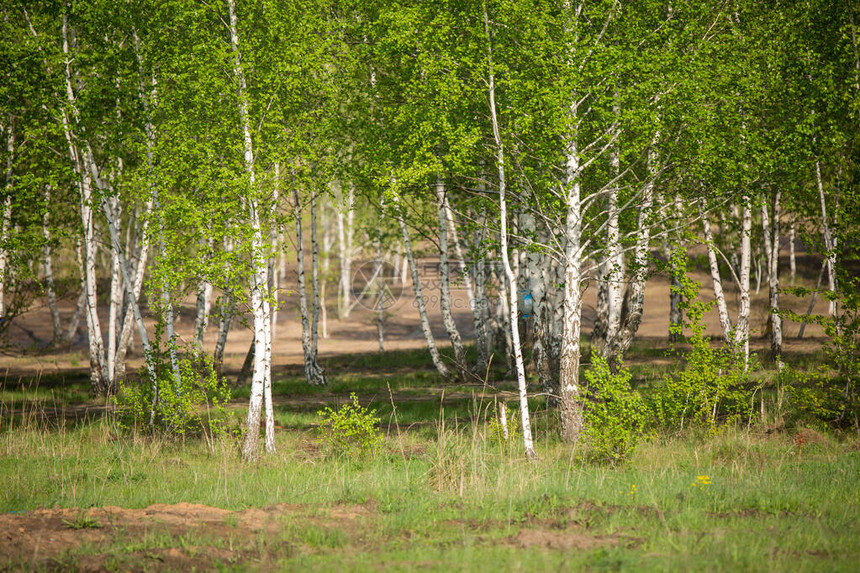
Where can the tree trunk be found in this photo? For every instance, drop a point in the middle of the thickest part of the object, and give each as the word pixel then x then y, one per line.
pixel 116 290
pixel 6 218
pixel 315 286
pixel 634 300
pixel 509 273
pixel 48 265
pixel 260 270
pixel 419 295
pixel 742 330
pixel 792 257
pixel 102 385
pixel 771 241
pixel 829 243
pixel 132 297
pixel 313 372
pixel 722 308
pixel 345 230
pixel 445 282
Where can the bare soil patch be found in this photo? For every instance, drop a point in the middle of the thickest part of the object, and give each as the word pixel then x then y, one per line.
pixel 183 536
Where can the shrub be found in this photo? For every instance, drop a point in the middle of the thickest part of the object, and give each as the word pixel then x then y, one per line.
pixel 350 430
pixel 193 404
pixel 613 412
pixel 713 384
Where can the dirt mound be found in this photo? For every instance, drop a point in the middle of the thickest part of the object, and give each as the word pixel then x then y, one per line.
pixel 182 536
pixel 559 539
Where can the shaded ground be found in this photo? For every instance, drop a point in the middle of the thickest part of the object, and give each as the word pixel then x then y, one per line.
pixel 197 537
pixel 99 539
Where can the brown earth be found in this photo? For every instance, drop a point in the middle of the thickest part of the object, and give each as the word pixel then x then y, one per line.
pixel 106 538
pixel 27 351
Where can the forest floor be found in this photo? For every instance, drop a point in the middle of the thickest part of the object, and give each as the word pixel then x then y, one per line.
pixel 443 492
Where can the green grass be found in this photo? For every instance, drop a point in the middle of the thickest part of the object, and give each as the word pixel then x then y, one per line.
pixel 442 493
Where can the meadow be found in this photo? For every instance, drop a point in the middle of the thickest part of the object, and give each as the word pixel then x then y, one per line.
pixel 443 490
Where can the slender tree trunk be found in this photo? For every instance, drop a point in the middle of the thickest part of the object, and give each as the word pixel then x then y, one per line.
pixel 48 265
pixel 313 372
pixel 6 217
pixel 345 224
pixel 570 399
pixel 315 285
pixel 771 233
pixel 116 291
pixel 742 330
pixel 259 279
pixel 458 250
pixel 379 287
pixel 481 305
pixel 792 257
pixel 419 296
pixel 509 273
pixel 634 300
pixel 226 310
pixel 829 243
pixel 75 320
pixel 101 383
pixel 204 304
pixel 722 308
pixel 445 282
pixel 132 297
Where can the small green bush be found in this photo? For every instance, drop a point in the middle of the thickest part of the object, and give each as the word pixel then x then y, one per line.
pixel 350 430
pixel 613 413
pixel 194 404
pixel 711 385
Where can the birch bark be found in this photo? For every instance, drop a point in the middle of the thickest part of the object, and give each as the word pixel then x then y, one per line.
pixel 742 329
pixel 259 280
pixel 101 383
pixel 445 281
pixel 829 243
pixel 6 217
pixel 722 308
pixel 48 265
pixel 416 288
pixel 771 236
pixel 503 239
pixel 313 372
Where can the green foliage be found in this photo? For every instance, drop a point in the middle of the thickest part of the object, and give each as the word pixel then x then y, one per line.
pixel 614 413
pixel 194 404
pixel 713 385
pixel 82 521
pixel 831 394
pixel 495 430
pixel 349 430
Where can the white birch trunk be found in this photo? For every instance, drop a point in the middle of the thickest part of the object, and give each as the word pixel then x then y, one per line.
pixel 259 279
pixel 419 296
pixel 458 250
pixel 771 236
pixel 345 238
pixel 102 385
pixel 829 243
pixel 742 330
pixel 509 273
pixel 792 256
pixel 313 373
pixel 634 300
pixel 116 293
pixel 48 266
pixel 6 218
pixel 719 295
pixel 315 284
pixel 445 281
